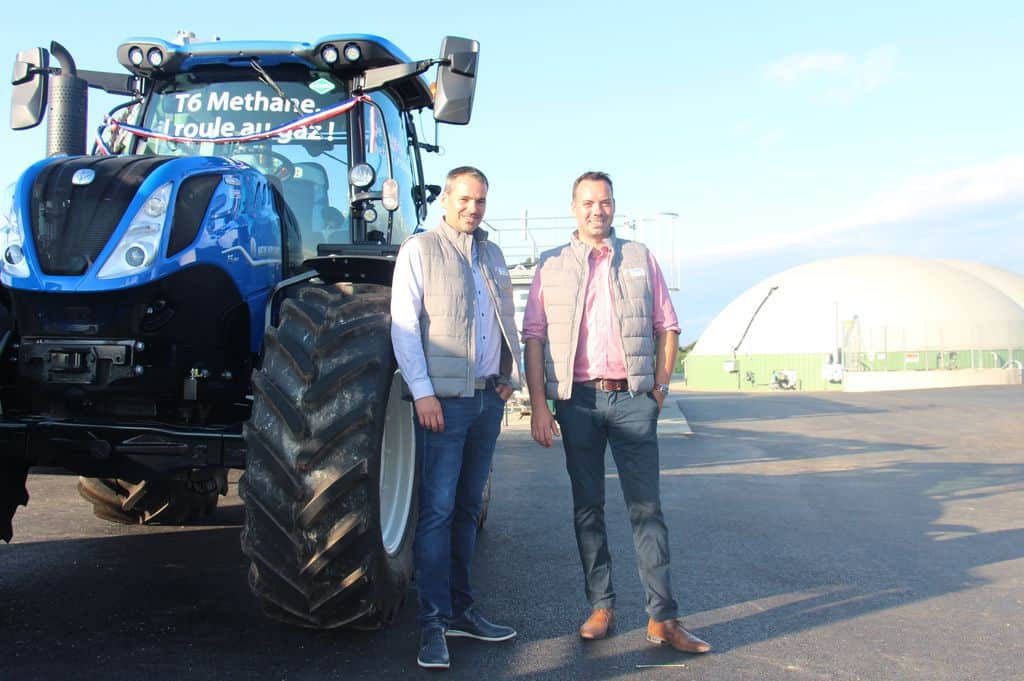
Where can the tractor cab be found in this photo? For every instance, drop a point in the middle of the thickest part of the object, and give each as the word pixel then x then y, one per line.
pixel 329 124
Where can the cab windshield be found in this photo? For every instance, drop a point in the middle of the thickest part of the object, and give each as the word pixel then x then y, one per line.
pixel 310 163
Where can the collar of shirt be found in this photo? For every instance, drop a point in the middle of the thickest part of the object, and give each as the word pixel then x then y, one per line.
pixel 478 234
pixel 609 241
pixel 600 252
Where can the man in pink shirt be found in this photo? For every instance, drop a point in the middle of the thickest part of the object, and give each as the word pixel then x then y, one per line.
pixel 601 339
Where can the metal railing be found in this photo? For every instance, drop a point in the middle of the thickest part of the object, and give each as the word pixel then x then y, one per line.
pixel 524 238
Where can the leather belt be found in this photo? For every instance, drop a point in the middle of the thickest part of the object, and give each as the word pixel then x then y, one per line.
pixel 489 383
pixel 608 385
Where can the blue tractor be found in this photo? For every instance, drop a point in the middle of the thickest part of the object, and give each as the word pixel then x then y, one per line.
pixel 209 289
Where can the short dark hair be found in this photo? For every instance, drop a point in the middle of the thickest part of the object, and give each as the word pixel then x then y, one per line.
pixel 473 172
pixel 594 176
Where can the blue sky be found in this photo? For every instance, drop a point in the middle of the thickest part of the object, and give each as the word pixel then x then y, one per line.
pixel 774 131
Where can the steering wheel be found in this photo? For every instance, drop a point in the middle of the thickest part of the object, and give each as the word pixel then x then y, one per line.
pixel 270 162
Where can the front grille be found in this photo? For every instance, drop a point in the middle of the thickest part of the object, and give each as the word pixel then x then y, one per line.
pixel 71 224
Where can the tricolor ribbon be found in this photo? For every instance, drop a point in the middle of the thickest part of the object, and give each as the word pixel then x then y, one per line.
pixel 304 121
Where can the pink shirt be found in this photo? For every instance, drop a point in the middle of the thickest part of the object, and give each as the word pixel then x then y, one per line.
pixel 599 353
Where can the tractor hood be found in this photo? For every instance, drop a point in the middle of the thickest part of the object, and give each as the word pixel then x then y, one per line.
pixel 73 213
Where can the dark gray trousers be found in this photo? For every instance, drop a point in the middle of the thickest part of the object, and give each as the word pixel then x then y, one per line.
pixel 590 420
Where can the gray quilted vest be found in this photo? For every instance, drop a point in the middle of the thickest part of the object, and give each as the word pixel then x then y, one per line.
pixel 564 272
pixel 449 303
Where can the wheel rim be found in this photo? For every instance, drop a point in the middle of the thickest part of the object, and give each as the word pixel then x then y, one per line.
pixel 397 468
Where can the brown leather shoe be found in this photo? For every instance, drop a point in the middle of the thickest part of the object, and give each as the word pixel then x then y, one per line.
pixel 597 625
pixel 670 632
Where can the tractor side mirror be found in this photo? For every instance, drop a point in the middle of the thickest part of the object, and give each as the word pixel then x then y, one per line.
pixel 28 94
pixel 456 80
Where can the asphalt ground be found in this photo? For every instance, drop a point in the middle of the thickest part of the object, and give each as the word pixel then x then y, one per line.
pixel 814 536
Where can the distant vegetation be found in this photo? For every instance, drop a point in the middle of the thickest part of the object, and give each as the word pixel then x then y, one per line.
pixel 683 352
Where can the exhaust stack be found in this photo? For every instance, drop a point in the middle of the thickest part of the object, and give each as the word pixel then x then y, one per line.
pixel 67 107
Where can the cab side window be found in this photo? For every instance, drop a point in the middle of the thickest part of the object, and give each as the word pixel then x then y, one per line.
pixel 404 220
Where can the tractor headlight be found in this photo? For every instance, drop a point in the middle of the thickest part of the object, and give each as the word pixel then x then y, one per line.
pixel 137 249
pixel 136 255
pixel 353 53
pixel 13 254
pixel 329 53
pixel 12 237
pixel 156 205
pixel 362 176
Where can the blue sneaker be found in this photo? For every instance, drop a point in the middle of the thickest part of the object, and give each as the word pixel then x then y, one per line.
pixel 433 648
pixel 472 625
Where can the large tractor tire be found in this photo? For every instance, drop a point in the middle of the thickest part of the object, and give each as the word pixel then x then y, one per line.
pixel 153 502
pixel 330 480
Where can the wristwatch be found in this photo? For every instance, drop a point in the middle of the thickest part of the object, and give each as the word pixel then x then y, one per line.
pixel 662 388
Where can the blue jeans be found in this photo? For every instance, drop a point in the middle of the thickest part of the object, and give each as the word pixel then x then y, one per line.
pixel 454 467
pixel 590 421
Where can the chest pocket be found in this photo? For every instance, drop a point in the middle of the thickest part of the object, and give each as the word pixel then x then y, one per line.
pixel 635 282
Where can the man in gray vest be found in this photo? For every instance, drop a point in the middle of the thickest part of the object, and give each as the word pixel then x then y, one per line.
pixel 601 339
pixel 454 333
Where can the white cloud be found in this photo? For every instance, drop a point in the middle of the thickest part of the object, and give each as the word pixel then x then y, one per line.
pixel 845 75
pixel 957 192
pixel 797 67
pixel 770 138
pixel 926 195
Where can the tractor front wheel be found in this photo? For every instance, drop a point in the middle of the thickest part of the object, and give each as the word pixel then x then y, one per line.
pixel 330 480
